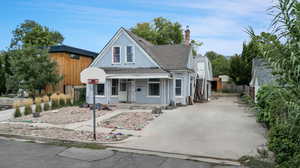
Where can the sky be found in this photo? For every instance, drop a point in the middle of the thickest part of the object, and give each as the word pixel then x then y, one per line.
pixel 90 24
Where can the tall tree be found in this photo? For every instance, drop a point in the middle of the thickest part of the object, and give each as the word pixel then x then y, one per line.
pixel 160 31
pixel 220 64
pixel 31 68
pixel 239 71
pixel 31 33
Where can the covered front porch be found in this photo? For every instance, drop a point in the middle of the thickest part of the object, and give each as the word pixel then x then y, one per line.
pixel 134 89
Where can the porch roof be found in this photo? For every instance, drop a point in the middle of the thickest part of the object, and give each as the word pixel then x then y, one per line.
pixel 135 73
pixel 115 70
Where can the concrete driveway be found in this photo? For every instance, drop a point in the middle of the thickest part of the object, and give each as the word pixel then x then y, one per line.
pixel 221 128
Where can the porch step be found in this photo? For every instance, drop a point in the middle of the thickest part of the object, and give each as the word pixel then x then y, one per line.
pixel 136 106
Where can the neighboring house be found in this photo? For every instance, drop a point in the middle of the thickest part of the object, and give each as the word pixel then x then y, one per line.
pixel 261 75
pixel 203 68
pixel 70 61
pixel 140 72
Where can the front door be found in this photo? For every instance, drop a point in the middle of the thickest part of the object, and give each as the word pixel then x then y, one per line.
pixel 123 96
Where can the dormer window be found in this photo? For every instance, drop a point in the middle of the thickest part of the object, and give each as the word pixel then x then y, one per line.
pixel 116 54
pixel 129 54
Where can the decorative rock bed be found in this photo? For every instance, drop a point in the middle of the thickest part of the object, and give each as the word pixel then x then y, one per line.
pixel 129 120
pixel 58 133
pixel 62 116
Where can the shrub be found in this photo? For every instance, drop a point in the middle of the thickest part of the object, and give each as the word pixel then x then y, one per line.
pixel 38 108
pixel 46 106
pixel 54 104
pixel 271 105
pixel 62 102
pixel 292 163
pixel 38 100
pixel 45 99
pixel 17 112
pixel 284 141
pixel 68 99
pixel 28 109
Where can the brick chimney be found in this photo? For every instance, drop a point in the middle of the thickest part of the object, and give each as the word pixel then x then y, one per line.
pixel 187 36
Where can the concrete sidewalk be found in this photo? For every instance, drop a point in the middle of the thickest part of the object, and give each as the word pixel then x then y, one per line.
pixel 221 128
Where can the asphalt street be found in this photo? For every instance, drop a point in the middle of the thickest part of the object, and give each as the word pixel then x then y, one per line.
pixel 16 154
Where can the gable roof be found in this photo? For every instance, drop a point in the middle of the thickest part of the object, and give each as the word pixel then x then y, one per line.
pixel 262 72
pixel 73 50
pixel 169 57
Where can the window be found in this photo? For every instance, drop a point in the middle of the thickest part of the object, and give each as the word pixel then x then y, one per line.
pixel 116 55
pixel 115 87
pixel 178 88
pixel 74 56
pixel 154 87
pixel 100 89
pixel 129 54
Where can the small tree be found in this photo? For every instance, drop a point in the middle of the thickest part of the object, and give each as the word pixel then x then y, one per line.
pixel 38 108
pixel 28 109
pixel 17 112
pixel 46 106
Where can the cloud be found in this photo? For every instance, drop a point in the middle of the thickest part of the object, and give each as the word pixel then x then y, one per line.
pixel 220 24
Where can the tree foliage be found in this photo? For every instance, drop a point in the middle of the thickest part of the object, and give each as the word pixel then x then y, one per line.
pixel 280 105
pixel 32 70
pixel 240 71
pixel 160 31
pixel 31 33
pixel 26 64
pixel 220 64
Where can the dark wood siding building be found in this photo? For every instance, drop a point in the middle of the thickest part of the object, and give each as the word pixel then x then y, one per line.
pixel 70 61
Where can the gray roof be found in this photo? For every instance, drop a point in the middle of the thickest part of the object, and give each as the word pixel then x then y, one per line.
pixel 262 72
pixel 169 57
pixel 114 70
pixel 73 50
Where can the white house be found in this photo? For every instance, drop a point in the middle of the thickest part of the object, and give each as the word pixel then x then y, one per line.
pixel 140 72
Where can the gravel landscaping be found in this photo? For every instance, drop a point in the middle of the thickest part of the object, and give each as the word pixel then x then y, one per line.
pixel 62 116
pixel 58 133
pixel 128 120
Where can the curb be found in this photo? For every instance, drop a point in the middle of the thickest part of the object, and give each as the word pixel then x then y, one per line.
pixel 208 159
pixel 53 140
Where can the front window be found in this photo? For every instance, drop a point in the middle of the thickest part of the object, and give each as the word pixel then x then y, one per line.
pixel 114 87
pixel 154 87
pixel 116 54
pixel 129 54
pixel 100 89
pixel 178 88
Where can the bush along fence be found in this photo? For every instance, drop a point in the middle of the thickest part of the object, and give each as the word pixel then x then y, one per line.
pixel 41 104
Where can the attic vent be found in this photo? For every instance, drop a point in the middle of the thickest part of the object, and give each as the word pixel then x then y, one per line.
pixel 74 56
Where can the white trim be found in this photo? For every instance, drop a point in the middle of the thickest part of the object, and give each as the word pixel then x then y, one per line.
pixel 156 96
pixel 133 54
pixel 112 54
pixel 181 88
pixel 138 76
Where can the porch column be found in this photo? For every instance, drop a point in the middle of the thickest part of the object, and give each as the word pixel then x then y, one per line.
pixel 108 90
pixel 173 89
